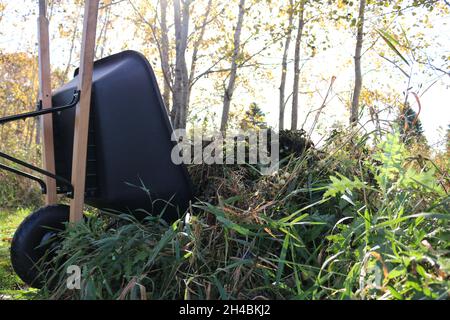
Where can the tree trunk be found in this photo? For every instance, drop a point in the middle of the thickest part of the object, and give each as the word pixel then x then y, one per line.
pixel 72 48
pixel 358 76
pixel 102 37
pixel 178 83
pixel 284 66
pixel 180 90
pixel 197 44
pixel 298 41
pixel 185 33
pixel 165 54
pixel 228 94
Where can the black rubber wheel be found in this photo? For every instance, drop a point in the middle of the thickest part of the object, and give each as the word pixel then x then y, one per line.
pixel 35 238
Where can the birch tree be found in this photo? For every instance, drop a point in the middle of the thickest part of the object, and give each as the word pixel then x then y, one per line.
pixel 298 41
pixel 358 75
pixel 181 78
pixel 196 47
pixel 229 89
pixel 164 54
pixel 177 76
pixel 105 20
pixel 287 45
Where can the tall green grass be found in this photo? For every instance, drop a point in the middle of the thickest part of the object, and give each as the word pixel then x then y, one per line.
pixel 11 287
pixel 353 220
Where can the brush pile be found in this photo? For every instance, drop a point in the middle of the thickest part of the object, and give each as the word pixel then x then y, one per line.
pixel 353 220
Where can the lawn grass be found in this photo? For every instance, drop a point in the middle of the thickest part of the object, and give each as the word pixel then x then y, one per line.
pixel 11 287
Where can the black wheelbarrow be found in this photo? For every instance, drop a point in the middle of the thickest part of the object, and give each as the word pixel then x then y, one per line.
pixel 124 160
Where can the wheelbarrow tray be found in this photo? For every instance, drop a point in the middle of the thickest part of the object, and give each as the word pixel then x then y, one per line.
pixel 129 164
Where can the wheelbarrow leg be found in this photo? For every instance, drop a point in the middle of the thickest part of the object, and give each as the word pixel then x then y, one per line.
pixel 45 95
pixel 82 110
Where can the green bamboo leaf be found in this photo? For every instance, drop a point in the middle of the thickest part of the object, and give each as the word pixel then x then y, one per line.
pixel 165 239
pixel 220 287
pixel 220 216
pixel 397 295
pixel 282 259
pixel 392 43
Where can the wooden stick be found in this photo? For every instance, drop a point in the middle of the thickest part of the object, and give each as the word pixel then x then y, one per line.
pixel 83 109
pixel 45 95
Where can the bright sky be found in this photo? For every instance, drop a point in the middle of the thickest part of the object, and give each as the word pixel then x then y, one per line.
pixel 18 33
